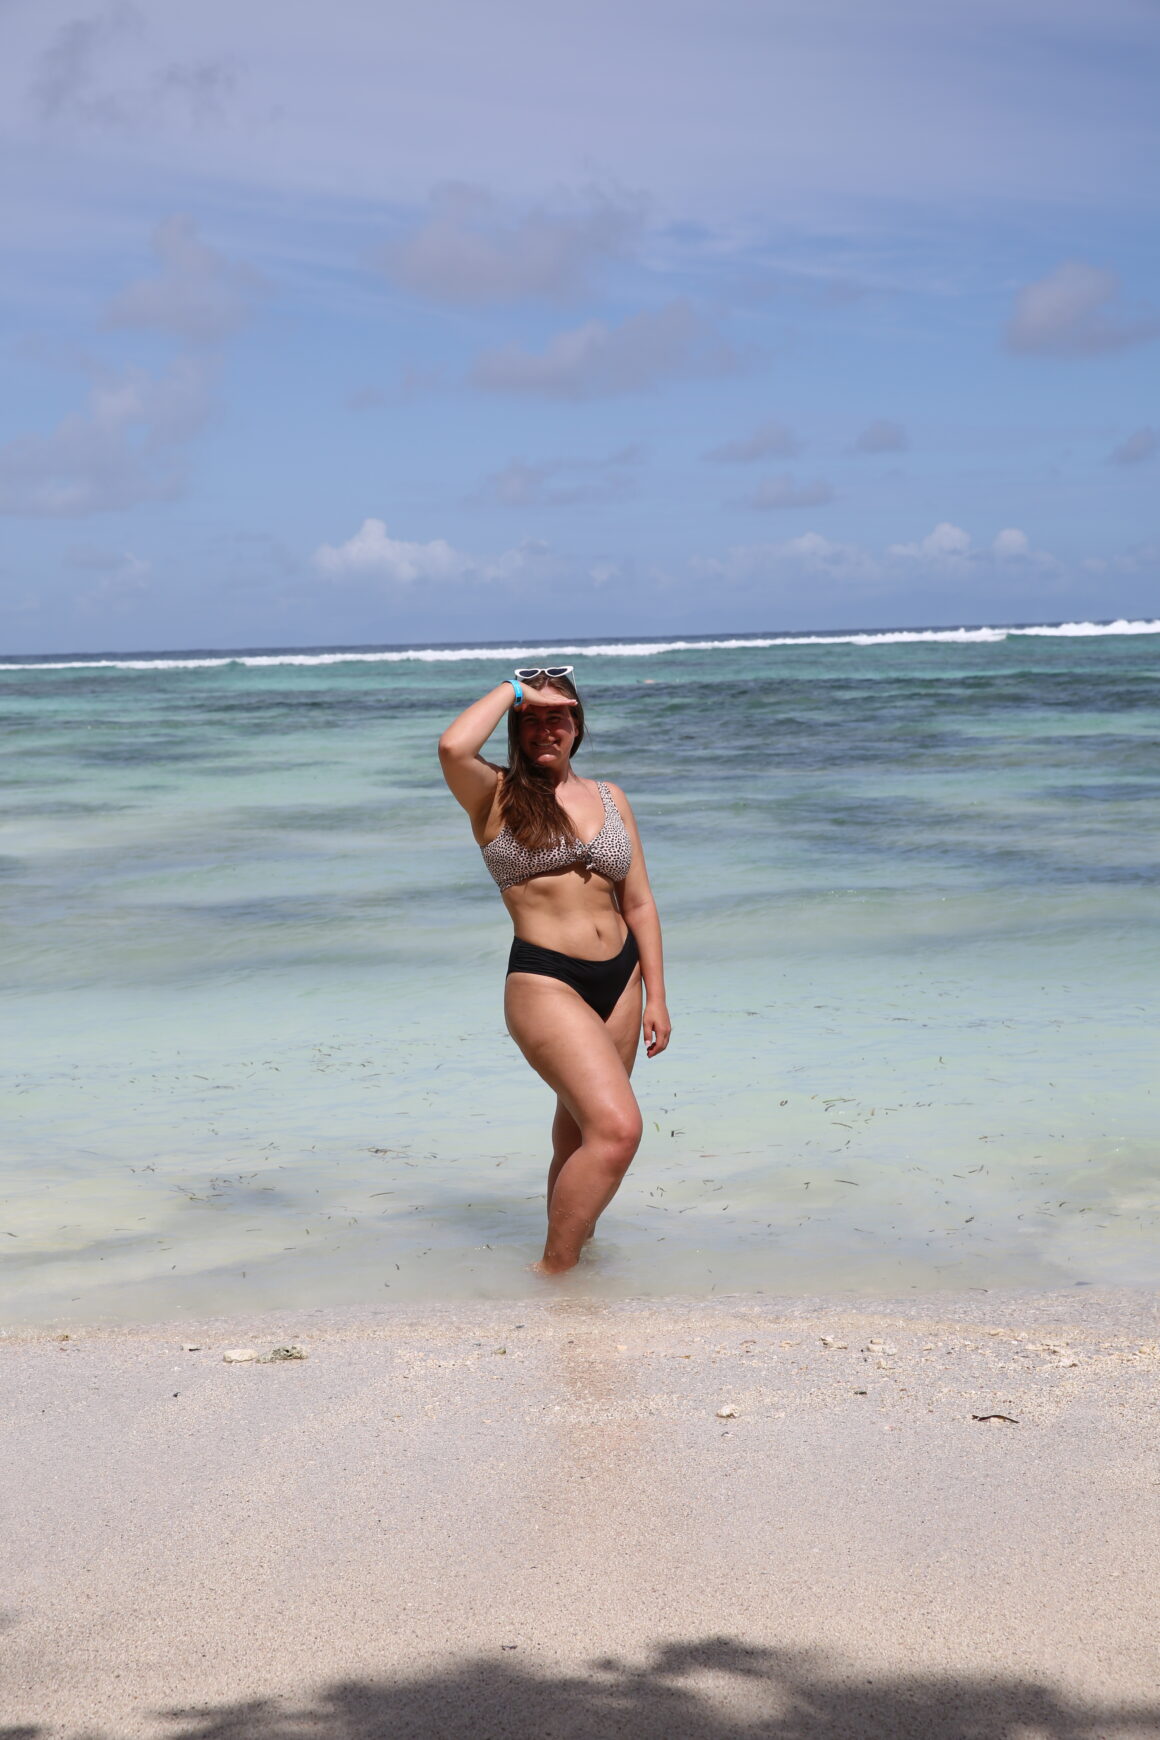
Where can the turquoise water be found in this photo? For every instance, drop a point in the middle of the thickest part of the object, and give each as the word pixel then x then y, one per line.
pixel 255 1054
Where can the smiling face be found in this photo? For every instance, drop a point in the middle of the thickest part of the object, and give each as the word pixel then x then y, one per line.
pixel 548 732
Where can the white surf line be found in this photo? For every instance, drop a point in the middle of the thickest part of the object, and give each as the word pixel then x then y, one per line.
pixel 613 649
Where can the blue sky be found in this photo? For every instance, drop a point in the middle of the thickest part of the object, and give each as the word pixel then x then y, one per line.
pixel 361 323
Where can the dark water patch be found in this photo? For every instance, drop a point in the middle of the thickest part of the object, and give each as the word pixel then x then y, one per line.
pixel 18 1260
pixel 991 864
pixel 297 961
pixel 137 754
pixel 306 818
pixel 12 866
pixel 64 808
pixel 26 773
pixel 255 913
pixel 1111 792
pixel 409 903
pixel 413 906
pixel 250 767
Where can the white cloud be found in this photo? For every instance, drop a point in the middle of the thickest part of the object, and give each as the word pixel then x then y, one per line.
pixel 596 361
pixel 528 559
pixel 565 482
pixel 372 552
pixel 807 556
pixel 119 451
pixel 199 294
pixel 824 556
pixel 604 573
pixel 1143 444
pixel 1072 312
pixel 468 251
pixel 948 552
pixel 783 492
pixel 768 441
pixel 945 542
pixel 950 549
pixel 882 436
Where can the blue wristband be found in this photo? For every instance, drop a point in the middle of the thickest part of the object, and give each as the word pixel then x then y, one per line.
pixel 518 690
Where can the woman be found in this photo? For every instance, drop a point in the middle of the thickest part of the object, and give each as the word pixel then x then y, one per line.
pixel 566 855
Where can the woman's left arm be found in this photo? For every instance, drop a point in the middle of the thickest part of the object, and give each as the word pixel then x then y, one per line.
pixel 640 914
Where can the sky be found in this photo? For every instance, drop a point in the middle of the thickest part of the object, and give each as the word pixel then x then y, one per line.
pixel 540 320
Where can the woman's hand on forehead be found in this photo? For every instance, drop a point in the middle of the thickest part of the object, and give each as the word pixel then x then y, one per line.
pixel 547 698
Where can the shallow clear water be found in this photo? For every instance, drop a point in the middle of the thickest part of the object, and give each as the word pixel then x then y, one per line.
pixel 255 1053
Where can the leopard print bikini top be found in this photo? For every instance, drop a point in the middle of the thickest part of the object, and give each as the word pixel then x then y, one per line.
pixel 609 854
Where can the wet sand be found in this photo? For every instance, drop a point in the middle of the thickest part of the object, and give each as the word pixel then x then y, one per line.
pixel 588 1519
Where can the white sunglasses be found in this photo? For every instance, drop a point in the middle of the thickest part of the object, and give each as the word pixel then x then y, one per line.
pixel 529 673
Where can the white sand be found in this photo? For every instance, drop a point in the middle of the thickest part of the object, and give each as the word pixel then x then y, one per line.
pixel 413 1533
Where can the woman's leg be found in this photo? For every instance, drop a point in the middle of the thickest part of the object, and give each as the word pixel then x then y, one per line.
pixel 586 1061
pixel 566 1138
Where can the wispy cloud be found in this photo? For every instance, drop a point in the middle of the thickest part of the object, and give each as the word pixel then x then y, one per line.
pixel 1141 445
pixel 123 448
pixel 565 482
pixel 367 399
pixel 66 76
pixel 882 436
pixel 597 361
pixel 199 295
pixel 126 444
pixel 1073 312
pixel 98 71
pixel 469 249
pixel 123 576
pixel 784 492
pixel 767 441
pixel 810 556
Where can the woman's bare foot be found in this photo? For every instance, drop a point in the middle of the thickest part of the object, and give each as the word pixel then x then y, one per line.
pixel 562 1254
pixel 543 1267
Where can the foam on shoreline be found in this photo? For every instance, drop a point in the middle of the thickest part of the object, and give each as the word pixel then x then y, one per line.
pixel 258 659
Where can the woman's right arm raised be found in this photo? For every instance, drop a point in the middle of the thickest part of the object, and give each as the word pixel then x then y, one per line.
pixel 471 779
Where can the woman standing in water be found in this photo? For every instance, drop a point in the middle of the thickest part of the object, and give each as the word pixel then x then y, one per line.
pixel 566 855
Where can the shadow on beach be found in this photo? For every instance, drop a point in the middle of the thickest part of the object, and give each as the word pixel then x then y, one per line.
pixel 717 1689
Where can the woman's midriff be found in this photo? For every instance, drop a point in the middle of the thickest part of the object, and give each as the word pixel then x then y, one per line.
pixel 572 912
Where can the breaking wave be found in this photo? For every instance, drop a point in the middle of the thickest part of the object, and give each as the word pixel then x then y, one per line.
pixel 587 649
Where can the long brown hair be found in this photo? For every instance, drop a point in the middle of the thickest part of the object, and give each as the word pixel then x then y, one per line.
pixel 527 800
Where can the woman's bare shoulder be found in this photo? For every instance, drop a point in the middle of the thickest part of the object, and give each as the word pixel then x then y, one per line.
pixel 617 794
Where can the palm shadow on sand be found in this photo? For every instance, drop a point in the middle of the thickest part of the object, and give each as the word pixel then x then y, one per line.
pixel 683 1693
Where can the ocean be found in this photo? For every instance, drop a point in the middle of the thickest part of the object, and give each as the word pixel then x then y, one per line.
pixel 255 1055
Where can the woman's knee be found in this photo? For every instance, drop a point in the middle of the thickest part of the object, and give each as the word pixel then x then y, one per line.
pixel 619 1133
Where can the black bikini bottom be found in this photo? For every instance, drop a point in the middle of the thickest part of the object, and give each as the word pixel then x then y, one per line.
pixel 600 983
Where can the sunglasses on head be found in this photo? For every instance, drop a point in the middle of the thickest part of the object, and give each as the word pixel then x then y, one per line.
pixel 529 673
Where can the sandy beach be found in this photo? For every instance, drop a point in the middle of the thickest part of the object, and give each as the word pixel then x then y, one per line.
pixel 793 1519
